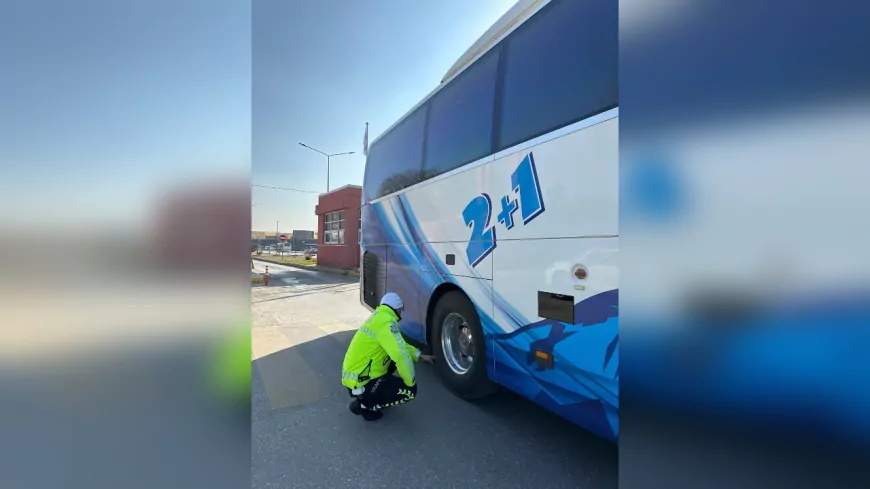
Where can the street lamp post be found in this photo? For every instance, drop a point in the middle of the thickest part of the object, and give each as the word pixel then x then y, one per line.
pixel 328 156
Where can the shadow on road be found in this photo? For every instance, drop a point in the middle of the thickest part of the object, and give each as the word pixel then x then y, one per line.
pixel 504 441
pixel 304 373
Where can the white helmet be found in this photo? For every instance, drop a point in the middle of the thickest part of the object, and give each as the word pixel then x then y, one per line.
pixel 393 300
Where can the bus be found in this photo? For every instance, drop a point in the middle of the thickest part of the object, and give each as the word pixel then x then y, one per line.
pixel 491 208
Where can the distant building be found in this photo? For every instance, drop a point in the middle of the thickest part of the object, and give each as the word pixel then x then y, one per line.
pixel 302 240
pixel 268 238
pixel 338 214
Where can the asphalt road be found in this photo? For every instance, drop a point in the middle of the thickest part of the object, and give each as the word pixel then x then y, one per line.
pixel 304 436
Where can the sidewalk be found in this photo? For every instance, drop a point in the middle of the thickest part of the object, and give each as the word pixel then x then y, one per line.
pixel 257 278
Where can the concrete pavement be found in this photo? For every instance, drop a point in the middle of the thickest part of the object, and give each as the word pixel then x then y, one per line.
pixel 304 436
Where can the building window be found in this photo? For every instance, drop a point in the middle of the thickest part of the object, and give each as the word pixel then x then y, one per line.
pixel 333 228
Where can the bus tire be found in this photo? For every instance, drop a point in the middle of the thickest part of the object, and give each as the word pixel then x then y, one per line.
pixel 473 383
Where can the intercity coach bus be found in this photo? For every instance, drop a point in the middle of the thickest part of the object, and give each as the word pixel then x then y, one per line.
pixel 491 208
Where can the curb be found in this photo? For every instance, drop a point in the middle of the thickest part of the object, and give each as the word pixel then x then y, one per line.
pixel 301 267
pixel 257 280
pixel 338 271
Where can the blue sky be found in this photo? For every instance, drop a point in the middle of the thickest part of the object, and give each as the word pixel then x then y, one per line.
pixel 322 69
pixel 105 103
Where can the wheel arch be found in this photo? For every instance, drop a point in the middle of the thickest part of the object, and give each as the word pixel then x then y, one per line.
pixel 434 297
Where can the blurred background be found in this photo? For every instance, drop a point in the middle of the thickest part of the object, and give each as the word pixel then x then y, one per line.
pixel 745 266
pixel 124 221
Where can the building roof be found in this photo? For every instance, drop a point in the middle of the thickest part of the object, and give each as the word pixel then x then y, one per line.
pixel 340 189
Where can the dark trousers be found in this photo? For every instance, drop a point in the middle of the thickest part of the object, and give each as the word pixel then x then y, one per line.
pixel 385 391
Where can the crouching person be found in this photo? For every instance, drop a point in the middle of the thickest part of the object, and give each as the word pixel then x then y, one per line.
pixel 376 350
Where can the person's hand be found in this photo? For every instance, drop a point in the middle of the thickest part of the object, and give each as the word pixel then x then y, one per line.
pixel 428 359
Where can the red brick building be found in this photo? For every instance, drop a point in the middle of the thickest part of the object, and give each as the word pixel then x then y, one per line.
pixel 338 214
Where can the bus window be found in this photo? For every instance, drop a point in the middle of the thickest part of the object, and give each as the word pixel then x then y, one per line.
pixel 560 67
pixel 394 161
pixel 459 130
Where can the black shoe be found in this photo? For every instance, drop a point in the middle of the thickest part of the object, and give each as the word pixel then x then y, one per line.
pixel 355 407
pixel 372 415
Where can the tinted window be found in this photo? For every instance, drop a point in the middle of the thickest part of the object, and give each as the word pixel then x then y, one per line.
pixel 560 67
pixel 459 130
pixel 394 161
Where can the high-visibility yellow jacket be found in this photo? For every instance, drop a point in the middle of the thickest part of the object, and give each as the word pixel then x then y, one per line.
pixel 231 367
pixel 375 344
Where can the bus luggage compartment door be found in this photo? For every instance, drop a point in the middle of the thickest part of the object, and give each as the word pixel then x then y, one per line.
pixel 556 311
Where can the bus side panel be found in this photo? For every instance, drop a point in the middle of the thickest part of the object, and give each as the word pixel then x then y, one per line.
pixel 374 229
pixel 581 381
pixel 372 242
pixel 384 234
pixel 414 266
pixel 559 214
pixel 580 170
pixel 460 268
pixel 403 278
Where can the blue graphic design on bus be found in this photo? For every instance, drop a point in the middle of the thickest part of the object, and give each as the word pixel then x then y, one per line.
pixel 478 213
pixel 525 183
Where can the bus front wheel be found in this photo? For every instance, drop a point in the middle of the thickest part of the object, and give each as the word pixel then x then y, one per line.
pixel 460 347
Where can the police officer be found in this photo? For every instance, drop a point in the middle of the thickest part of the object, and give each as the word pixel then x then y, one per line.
pixel 376 350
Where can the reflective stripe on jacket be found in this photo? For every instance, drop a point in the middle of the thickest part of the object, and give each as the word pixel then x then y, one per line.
pixel 377 342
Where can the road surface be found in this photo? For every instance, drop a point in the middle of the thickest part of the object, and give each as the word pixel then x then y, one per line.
pixel 304 436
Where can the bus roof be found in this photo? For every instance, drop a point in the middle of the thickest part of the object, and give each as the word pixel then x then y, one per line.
pixel 516 15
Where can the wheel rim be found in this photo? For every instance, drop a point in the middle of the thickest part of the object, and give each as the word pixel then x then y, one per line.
pixel 457 343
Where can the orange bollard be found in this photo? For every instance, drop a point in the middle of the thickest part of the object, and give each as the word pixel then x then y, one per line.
pixel 266 276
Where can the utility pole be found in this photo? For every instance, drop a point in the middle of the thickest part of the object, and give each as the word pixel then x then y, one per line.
pixel 328 156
